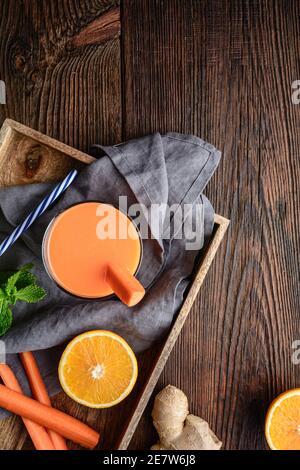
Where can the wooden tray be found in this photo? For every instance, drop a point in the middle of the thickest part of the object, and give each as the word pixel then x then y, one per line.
pixel 27 156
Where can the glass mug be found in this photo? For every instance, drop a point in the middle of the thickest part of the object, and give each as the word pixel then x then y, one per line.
pixel 93 250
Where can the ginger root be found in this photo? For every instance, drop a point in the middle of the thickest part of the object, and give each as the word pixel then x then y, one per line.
pixel 177 429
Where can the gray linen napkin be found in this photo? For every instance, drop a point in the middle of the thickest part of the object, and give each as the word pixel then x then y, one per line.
pixel 152 170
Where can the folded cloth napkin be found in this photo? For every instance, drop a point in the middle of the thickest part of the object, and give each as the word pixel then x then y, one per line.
pixel 156 171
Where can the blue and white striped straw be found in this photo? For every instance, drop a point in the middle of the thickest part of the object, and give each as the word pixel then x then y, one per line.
pixel 40 209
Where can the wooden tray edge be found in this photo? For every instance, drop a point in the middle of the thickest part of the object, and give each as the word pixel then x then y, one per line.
pixel 222 225
pixel 45 140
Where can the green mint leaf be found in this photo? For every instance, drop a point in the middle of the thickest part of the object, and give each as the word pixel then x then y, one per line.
pixel 14 286
pixel 6 317
pixel 12 297
pixel 25 279
pixel 19 276
pixel 31 294
pixel 3 294
pixel 11 282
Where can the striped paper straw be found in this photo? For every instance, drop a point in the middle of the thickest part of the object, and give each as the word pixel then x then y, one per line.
pixel 38 211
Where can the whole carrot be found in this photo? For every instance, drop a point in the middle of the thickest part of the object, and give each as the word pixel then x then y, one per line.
pixel 39 392
pixel 39 436
pixel 49 417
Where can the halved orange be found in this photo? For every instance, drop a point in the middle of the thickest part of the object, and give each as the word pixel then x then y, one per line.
pixel 282 426
pixel 98 369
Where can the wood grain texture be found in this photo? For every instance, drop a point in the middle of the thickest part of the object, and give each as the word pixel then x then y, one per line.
pixel 59 79
pixel 27 156
pixel 62 78
pixel 106 27
pixel 223 70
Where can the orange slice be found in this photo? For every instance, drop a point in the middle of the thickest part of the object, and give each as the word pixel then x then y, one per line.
pixel 98 369
pixel 282 426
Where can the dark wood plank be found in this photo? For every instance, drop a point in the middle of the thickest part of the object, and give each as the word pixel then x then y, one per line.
pixel 223 70
pixel 61 65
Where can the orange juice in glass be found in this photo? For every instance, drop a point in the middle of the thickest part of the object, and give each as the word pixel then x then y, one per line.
pixel 93 250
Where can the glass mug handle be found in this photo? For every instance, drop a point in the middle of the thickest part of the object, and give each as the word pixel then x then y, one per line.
pixel 126 287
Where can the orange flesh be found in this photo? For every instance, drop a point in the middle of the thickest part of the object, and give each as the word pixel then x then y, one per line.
pixel 285 426
pixel 101 355
pixel 77 258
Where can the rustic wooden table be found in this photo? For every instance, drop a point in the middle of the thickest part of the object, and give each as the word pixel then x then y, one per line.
pixel 219 69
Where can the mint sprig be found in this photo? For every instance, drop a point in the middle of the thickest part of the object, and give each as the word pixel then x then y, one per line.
pixel 6 317
pixel 17 285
